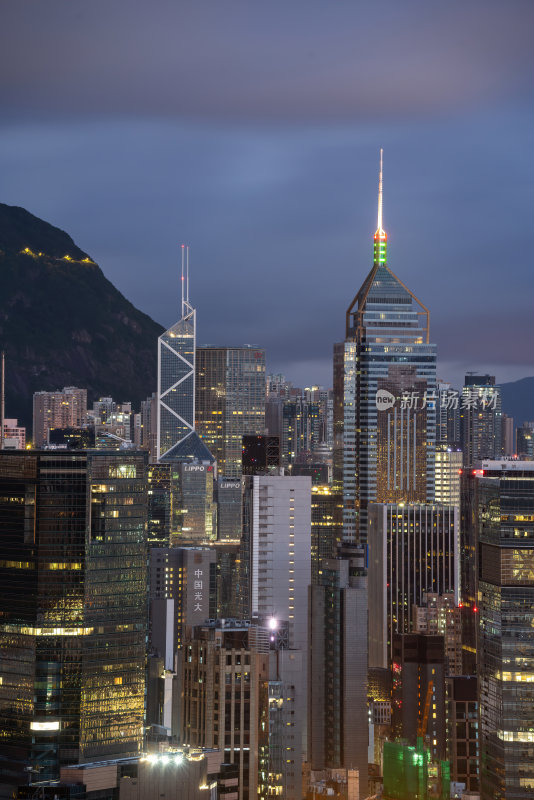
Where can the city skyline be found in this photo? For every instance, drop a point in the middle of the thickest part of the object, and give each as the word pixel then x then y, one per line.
pixel 272 182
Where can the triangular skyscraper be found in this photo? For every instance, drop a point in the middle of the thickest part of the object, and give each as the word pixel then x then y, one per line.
pixel 177 439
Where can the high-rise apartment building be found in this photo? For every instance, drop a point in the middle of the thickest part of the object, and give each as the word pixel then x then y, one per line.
pixel 480 419
pixel 505 517
pixel 279 550
pixel 73 609
pixel 277 546
pixel 64 409
pixel 413 552
pixel 384 389
pixel 230 401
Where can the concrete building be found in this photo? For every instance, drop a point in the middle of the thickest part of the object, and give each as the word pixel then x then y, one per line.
pixel 419 675
pixel 462 730
pixel 62 409
pixel 448 471
pixel 277 547
pixel 413 552
pixel 182 592
pixel 14 435
pixel 225 698
pixel 441 615
pixel 280 551
pixel 480 419
pixel 337 707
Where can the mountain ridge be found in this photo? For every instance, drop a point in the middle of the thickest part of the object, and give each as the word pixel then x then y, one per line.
pixel 63 323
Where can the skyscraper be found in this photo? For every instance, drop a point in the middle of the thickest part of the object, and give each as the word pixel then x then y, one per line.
pixel 505 519
pixel 337 705
pixel 385 393
pixel 480 419
pixel 230 401
pixel 176 437
pixel 73 609
pixel 225 680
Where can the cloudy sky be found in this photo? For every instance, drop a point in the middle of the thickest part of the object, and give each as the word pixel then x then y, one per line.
pixel 251 132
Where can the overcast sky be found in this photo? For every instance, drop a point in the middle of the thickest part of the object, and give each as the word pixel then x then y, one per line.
pixel 251 132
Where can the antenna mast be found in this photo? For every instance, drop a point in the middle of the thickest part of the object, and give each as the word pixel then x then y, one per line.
pixel 379 226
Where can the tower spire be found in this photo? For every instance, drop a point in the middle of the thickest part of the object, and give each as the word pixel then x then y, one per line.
pixel 380 237
pixel 379 226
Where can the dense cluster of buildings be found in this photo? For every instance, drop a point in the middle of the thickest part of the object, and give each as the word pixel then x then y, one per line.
pixel 246 590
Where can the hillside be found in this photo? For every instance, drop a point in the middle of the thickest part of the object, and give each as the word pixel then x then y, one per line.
pixel 518 400
pixel 63 323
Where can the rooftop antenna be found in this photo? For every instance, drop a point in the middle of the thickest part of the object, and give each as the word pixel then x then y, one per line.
pixel 183 277
pixel 380 237
pixel 379 226
pixel 187 273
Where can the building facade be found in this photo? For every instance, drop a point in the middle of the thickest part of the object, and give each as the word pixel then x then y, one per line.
pixel 225 690
pixel 73 609
pixel 480 420
pixel 230 401
pixel 64 409
pixel 505 653
pixel 384 396
pixel 448 471
pixel 337 705
pixel 413 552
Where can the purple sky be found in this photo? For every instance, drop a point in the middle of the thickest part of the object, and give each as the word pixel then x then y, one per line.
pixel 251 131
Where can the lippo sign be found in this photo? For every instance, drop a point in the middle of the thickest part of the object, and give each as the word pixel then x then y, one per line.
pixel 481 399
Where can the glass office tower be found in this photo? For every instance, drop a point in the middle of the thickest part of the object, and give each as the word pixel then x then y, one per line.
pixel 176 437
pixel 73 609
pixel 230 401
pixel 505 516
pixel 385 386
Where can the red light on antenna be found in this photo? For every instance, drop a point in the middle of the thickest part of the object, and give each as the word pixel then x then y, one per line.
pixel 475 610
pixel 460 605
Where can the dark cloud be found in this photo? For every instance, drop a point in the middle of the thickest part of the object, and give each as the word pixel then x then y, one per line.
pixel 262 61
pixel 252 131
